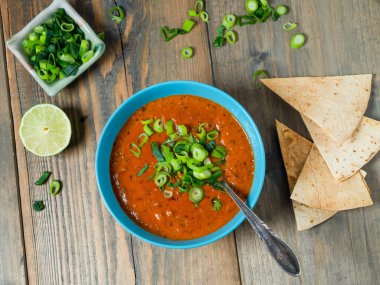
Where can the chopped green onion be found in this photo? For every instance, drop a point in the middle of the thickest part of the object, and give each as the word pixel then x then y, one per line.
pixel 196 194
pixel 257 74
pixel 164 167
pixel 199 6
pixel 158 126
pixel 147 122
pixel 192 13
pixel 229 21
pixel 148 130
pixel 213 135
pixel 87 56
pixel 230 37
pixel 84 47
pixel 289 26
pixel 216 204
pixel 188 25
pixel 102 36
pixel 160 179
pixel 198 152
pixel 169 127
pixel 168 194
pixel 204 16
pixel 117 14
pixel 176 163
pixel 43 178
pixel 251 6
pixel 182 155
pixel 66 27
pixel 182 130
pixel 216 175
pixel 187 53
pixel 166 152
pixel 219 152
pixel 39 29
pixel 33 37
pixel 201 175
pixel 135 149
pixel 142 171
pixel 297 41
pixel 38 206
pixel 55 187
pixel 281 10
pixel 66 57
pixel 142 139
pixel 156 152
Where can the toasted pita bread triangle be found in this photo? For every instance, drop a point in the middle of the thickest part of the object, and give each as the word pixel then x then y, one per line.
pixel 345 159
pixel 295 149
pixel 336 104
pixel 317 188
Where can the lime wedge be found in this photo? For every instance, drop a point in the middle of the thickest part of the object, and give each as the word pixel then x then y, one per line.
pixel 45 130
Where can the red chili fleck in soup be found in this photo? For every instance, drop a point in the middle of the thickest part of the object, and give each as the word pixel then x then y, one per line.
pixel 143 201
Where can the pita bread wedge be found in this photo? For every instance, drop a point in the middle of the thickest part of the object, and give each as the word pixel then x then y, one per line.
pixel 336 104
pixel 295 150
pixel 317 188
pixel 345 159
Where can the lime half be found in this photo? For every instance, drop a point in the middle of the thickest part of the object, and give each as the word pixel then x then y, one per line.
pixel 45 130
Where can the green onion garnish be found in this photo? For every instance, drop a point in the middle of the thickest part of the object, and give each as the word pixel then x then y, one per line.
pixel 158 126
pixel 213 135
pixel 229 21
pixel 216 204
pixel 251 6
pixel 230 37
pixel 169 126
pixel 142 139
pixel 142 171
pixel 161 179
pixel 187 53
pixel 55 187
pixel 135 149
pixel 188 25
pixel 38 206
pixel 199 152
pixel 219 152
pixel 196 194
pixel 281 10
pixel 297 41
pixel 43 178
pixel 182 130
pixel 168 194
pixel 87 56
pixel 66 27
pixel 289 26
pixel 148 130
pixel 156 152
pixel 259 73
pixel 117 14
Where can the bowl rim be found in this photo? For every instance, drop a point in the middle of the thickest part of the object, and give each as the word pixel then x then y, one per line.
pixel 236 220
pixel 14 44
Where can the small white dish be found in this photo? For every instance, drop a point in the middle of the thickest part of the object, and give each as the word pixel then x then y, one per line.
pixel 15 45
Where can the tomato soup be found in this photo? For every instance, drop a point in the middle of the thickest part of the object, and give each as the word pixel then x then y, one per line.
pixel 178 218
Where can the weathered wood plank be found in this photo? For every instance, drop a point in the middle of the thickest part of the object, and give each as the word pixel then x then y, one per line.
pixel 74 240
pixel 149 60
pixel 343 38
pixel 12 262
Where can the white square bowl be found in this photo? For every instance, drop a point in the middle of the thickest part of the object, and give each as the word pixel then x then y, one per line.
pixel 15 45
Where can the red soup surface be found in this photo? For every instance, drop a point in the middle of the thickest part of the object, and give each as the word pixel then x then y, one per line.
pixel 177 218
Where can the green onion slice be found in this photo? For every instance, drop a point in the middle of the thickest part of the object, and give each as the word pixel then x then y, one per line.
pixel 192 13
pixel 147 122
pixel 213 135
pixel 201 175
pixel 148 130
pixel 156 152
pixel 259 73
pixel 84 47
pixel 117 14
pixel 198 152
pixel 55 187
pixel 176 164
pixel 142 139
pixel 251 6
pixel 199 6
pixel 183 156
pixel 188 25
pixel 38 206
pixel 289 26
pixel 142 171
pixel 67 27
pixel 219 152
pixel 39 29
pixel 297 41
pixel 196 194
pixel 135 149
pixel 161 179
pixel 187 53
pixel 169 127
pixel 182 130
pixel 281 10
pixel 230 37
pixel 216 204
pixel 229 21
pixel 87 56
pixel 158 126
pixel 204 16
pixel 43 178
pixel 164 167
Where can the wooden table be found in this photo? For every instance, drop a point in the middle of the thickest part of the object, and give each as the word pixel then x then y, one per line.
pixel 76 241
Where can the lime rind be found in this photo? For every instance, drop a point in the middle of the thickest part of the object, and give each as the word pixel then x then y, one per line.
pixel 45 130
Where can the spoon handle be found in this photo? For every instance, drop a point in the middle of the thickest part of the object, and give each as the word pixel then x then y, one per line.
pixel 278 249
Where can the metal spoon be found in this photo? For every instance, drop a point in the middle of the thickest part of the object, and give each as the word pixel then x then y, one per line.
pixel 278 249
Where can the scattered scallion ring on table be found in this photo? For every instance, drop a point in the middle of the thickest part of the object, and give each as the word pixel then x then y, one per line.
pixel 57 48
pixel 199 6
pixel 259 73
pixel 117 14
pixel 288 26
pixel 204 16
pixel 187 53
pixel 281 10
pixel 229 21
pixel 297 41
pixel 55 187
pixel 188 25
pixel 230 37
pixel 43 178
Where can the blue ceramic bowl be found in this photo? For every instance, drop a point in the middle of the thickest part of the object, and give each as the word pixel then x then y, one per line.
pixel 121 115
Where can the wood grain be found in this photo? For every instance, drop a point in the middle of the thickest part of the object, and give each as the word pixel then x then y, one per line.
pixel 343 250
pixel 13 271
